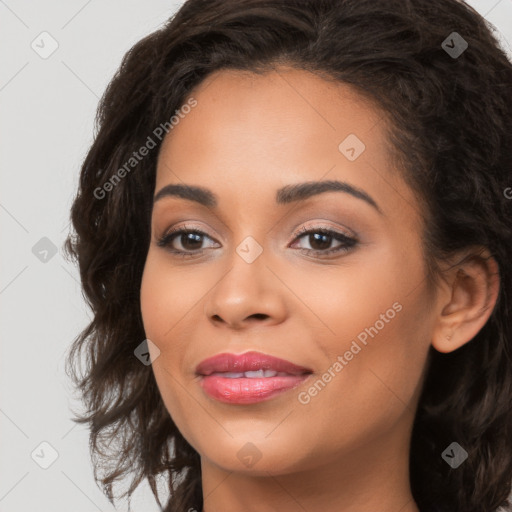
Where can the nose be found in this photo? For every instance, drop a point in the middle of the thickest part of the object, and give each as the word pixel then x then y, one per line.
pixel 247 294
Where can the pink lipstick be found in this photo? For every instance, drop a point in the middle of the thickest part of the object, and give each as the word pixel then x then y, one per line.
pixel 249 377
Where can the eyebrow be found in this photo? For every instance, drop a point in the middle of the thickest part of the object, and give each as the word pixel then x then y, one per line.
pixel 284 195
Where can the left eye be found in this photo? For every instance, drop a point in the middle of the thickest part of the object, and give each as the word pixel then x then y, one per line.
pixel 321 239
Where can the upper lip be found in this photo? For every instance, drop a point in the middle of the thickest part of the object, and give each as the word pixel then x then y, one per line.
pixel 248 361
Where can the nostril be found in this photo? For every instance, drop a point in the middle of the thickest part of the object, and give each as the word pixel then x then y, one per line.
pixel 259 316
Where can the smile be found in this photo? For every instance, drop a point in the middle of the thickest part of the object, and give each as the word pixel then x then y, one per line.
pixel 248 378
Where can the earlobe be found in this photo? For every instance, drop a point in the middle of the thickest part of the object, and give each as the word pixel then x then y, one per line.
pixel 467 303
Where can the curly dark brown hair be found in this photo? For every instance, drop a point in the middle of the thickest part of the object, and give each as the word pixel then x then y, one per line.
pixel 451 136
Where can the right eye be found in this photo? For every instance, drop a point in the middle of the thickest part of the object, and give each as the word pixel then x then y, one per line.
pixel 190 240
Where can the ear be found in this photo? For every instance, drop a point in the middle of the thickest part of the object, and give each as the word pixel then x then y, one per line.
pixel 466 300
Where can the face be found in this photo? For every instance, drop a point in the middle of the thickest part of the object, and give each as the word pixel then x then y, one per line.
pixel 331 280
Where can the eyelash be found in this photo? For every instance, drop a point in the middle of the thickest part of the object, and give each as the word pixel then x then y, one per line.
pixel 348 242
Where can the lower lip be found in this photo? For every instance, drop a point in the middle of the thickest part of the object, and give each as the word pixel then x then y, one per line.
pixel 246 390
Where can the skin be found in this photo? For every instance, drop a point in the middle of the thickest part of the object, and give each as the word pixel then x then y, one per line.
pixel 347 449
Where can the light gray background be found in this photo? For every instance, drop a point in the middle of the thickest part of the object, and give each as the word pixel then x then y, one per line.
pixel 46 126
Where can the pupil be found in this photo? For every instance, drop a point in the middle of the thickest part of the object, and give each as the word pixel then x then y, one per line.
pixel 188 238
pixel 318 236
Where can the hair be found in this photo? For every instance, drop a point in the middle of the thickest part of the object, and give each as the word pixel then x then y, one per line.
pixel 448 121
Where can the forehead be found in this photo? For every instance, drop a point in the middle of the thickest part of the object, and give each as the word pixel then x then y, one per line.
pixel 258 132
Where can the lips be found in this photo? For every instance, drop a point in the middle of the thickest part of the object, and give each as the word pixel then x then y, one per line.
pixel 249 362
pixel 248 378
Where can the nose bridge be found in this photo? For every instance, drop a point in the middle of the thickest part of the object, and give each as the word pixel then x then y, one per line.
pixel 247 289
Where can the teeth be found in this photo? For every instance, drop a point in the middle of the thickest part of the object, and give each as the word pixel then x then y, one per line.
pixel 251 374
pixel 260 373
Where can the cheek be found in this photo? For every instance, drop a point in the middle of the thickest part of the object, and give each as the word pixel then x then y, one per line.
pixel 164 301
pixel 366 386
pixel 167 295
pixel 349 297
pixel 165 298
pixel 375 341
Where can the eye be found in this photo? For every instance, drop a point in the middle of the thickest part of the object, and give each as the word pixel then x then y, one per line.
pixel 188 240
pixel 320 240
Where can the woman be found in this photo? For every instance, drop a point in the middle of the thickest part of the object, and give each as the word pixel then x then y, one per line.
pixel 293 229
